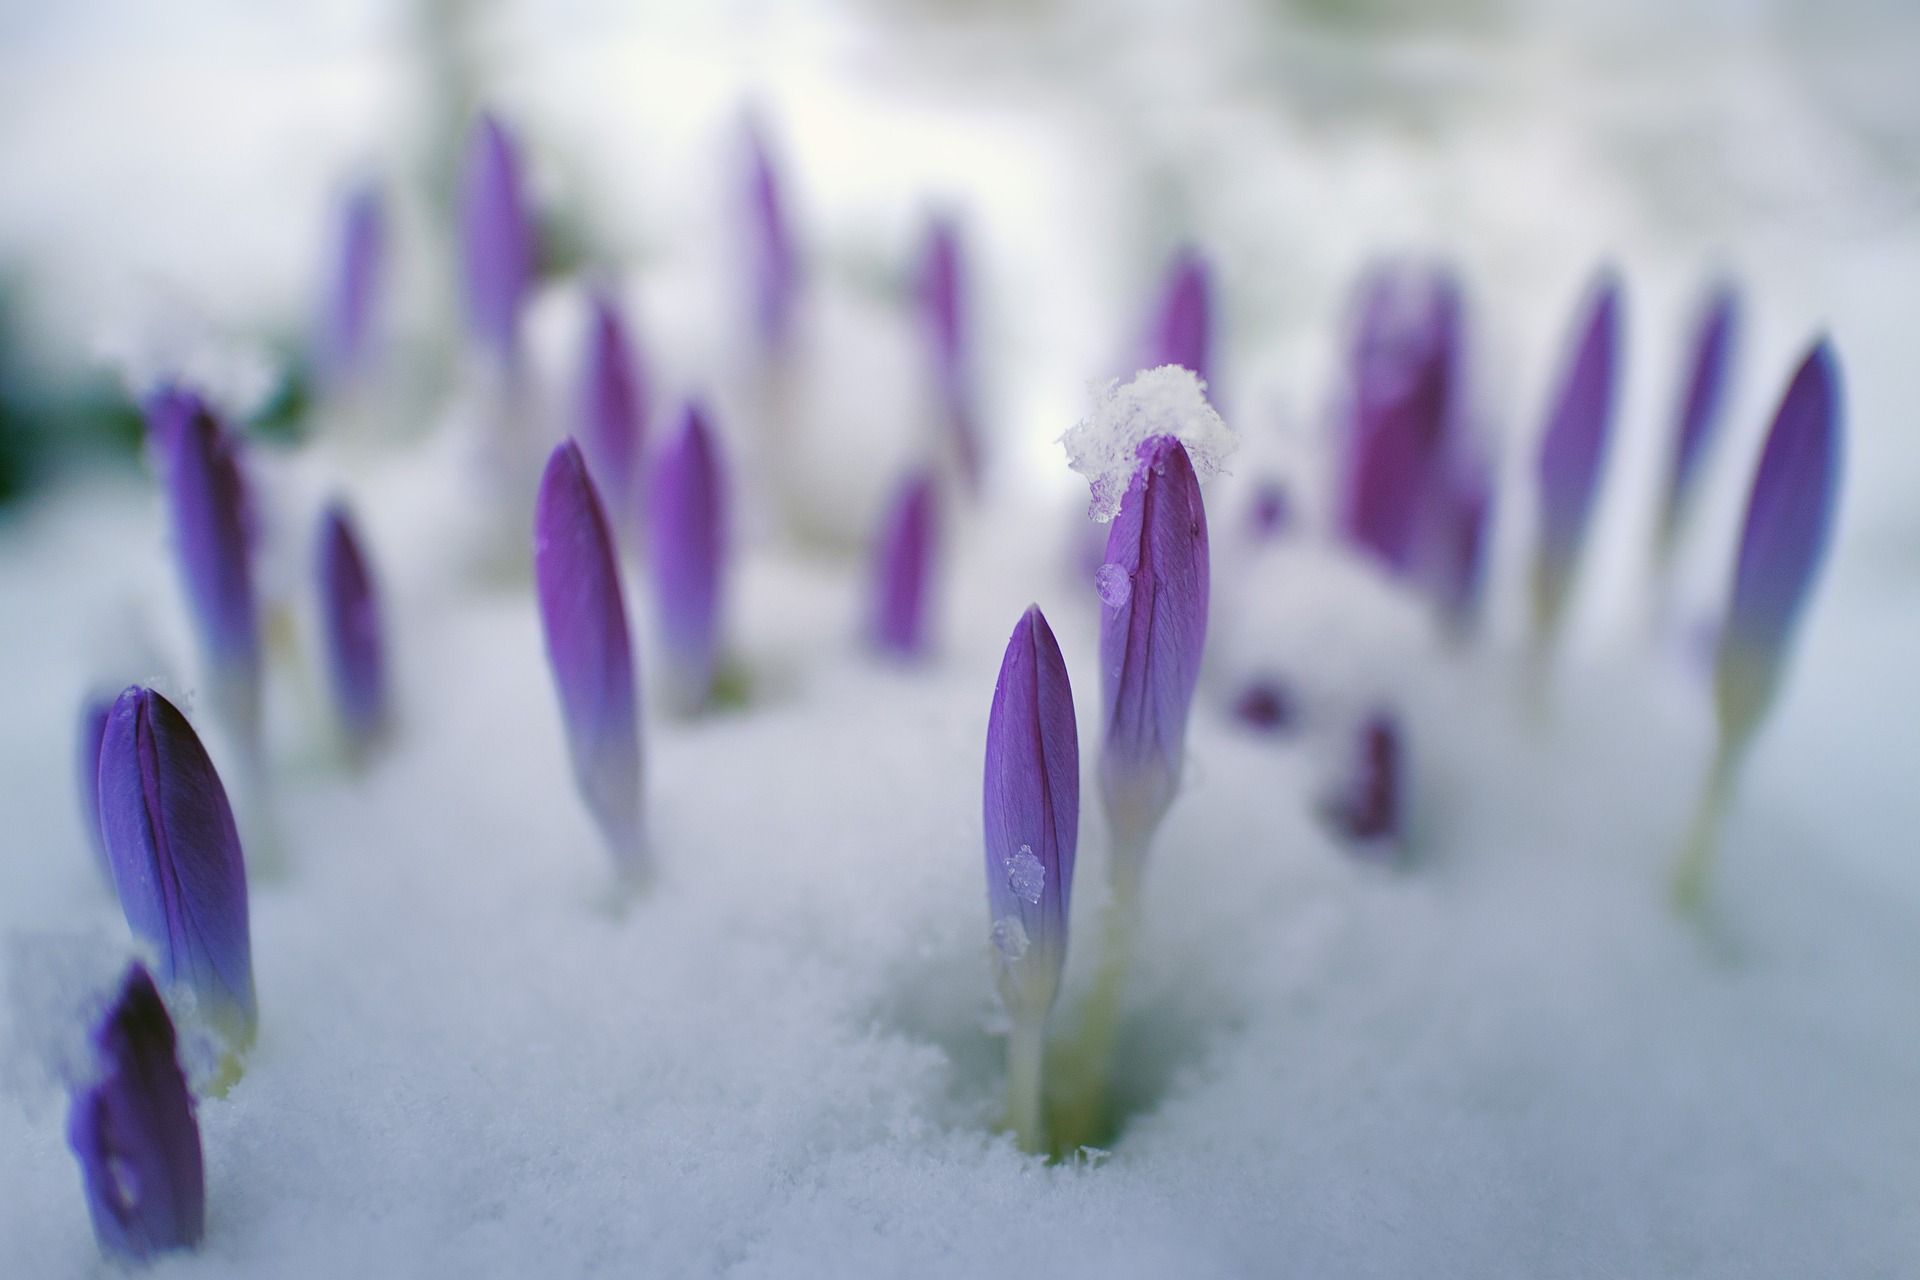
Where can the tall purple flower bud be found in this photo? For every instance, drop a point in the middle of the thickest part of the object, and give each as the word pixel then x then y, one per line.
pixel 134 1132
pixel 176 859
pixel 944 314
pixel 347 328
pixel 351 631
pixel 776 261
pixel 206 498
pixel 1702 404
pixel 903 570
pixel 584 615
pixel 1366 811
pixel 613 410
pixel 1572 453
pixel 1183 325
pixel 1153 626
pixel 1031 817
pixel 687 508
pixel 497 242
pixel 93 726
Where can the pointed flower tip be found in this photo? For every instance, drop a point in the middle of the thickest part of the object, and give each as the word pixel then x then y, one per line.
pixel 1703 400
pixel 1573 448
pixel 497 242
pixel 1031 814
pixel 1366 812
pixel 687 512
pixel 350 623
pixel 133 1130
pixel 583 615
pixel 175 852
pixel 613 408
pixel 903 571
pixel 1128 422
pixel 1183 327
pixel 348 327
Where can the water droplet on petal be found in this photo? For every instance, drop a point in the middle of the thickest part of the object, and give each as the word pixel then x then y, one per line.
pixel 1027 875
pixel 1114 584
pixel 1010 937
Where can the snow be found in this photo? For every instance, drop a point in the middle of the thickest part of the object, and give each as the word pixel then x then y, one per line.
pixel 1167 401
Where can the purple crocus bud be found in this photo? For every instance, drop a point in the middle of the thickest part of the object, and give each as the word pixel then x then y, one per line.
pixel 134 1132
pixel 776 262
pixel 1573 451
pixel 1702 402
pixel 206 498
pixel 351 631
pixel 1271 512
pixel 1153 626
pixel 347 330
pixel 613 410
pixel 585 619
pixel 497 243
pixel 93 725
pixel 1366 812
pixel 1265 705
pixel 687 507
pixel 903 570
pixel 1457 554
pixel 1789 520
pixel 176 859
pixel 943 311
pixel 1183 325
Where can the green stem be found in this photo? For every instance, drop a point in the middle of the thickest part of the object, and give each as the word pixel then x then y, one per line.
pixel 1026 1052
pixel 1081 1121
pixel 1695 866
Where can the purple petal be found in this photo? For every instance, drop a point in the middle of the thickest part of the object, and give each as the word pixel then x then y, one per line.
pixel 1367 812
pixel 943 310
pixel 176 858
pixel 687 507
pixel 134 1132
pixel 585 619
pixel 613 409
pixel 93 726
pixel 903 570
pixel 1789 522
pixel 497 245
pixel 1183 325
pixel 1150 644
pixel 776 264
pixel 1573 449
pixel 351 630
pixel 347 332
pixel 1702 402
pixel 1031 813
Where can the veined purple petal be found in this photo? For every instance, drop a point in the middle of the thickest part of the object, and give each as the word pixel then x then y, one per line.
pixel 347 331
pixel 1573 451
pixel 1151 638
pixel 1183 325
pixel 943 311
pixel 577 575
pixel 134 1132
pixel 176 858
pixel 1366 812
pixel 1701 403
pixel 903 570
pixel 207 500
pixel 1031 814
pixel 1789 521
pixel 351 630
pixel 93 726
pixel 613 410
pixel 497 245
pixel 776 262
pixel 687 508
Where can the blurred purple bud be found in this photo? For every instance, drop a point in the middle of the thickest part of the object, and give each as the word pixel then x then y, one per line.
pixel 497 242
pixel 1573 451
pixel 1789 521
pixel 943 311
pixel 1031 814
pixel 776 262
pixel 613 410
pixel 903 570
pixel 93 725
pixel 1366 812
pixel 1702 402
pixel 176 858
pixel 1265 706
pixel 1457 554
pixel 1271 513
pixel 134 1132
pixel 351 631
pixel 1150 647
pixel 584 616
pixel 1183 325
pixel 687 508
pixel 347 330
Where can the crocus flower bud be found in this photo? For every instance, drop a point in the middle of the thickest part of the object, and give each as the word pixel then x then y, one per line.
pixel 776 263
pixel 903 570
pixel 1153 626
pixel 206 499
pixel 1457 554
pixel 613 410
pixel 497 242
pixel 1265 705
pixel 1572 453
pixel 351 631
pixel 176 859
pixel 687 509
pixel 943 313
pixel 134 1131
pixel 1702 400
pixel 347 328
pixel 1183 325
pixel 1270 514
pixel 93 725
pixel 585 619
pixel 1366 810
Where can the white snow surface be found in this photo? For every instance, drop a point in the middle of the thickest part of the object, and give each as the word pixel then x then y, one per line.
pixel 1105 445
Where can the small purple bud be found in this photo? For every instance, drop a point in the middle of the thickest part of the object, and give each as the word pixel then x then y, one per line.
pixel 1702 402
pixel 93 725
pixel 1366 811
pixel 1265 706
pixel 1150 647
pixel 1789 522
pixel 943 311
pixel 351 631
pixel 347 330
pixel 1031 815
pixel 903 570
pixel 1573 451
pixel 1271 513
pixel 1183 325
pixel 776 262
pixel 613 410
pixel 497 245
pixel 584 615
pixel 134 1132
pixel 176 858
pixel 687 508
